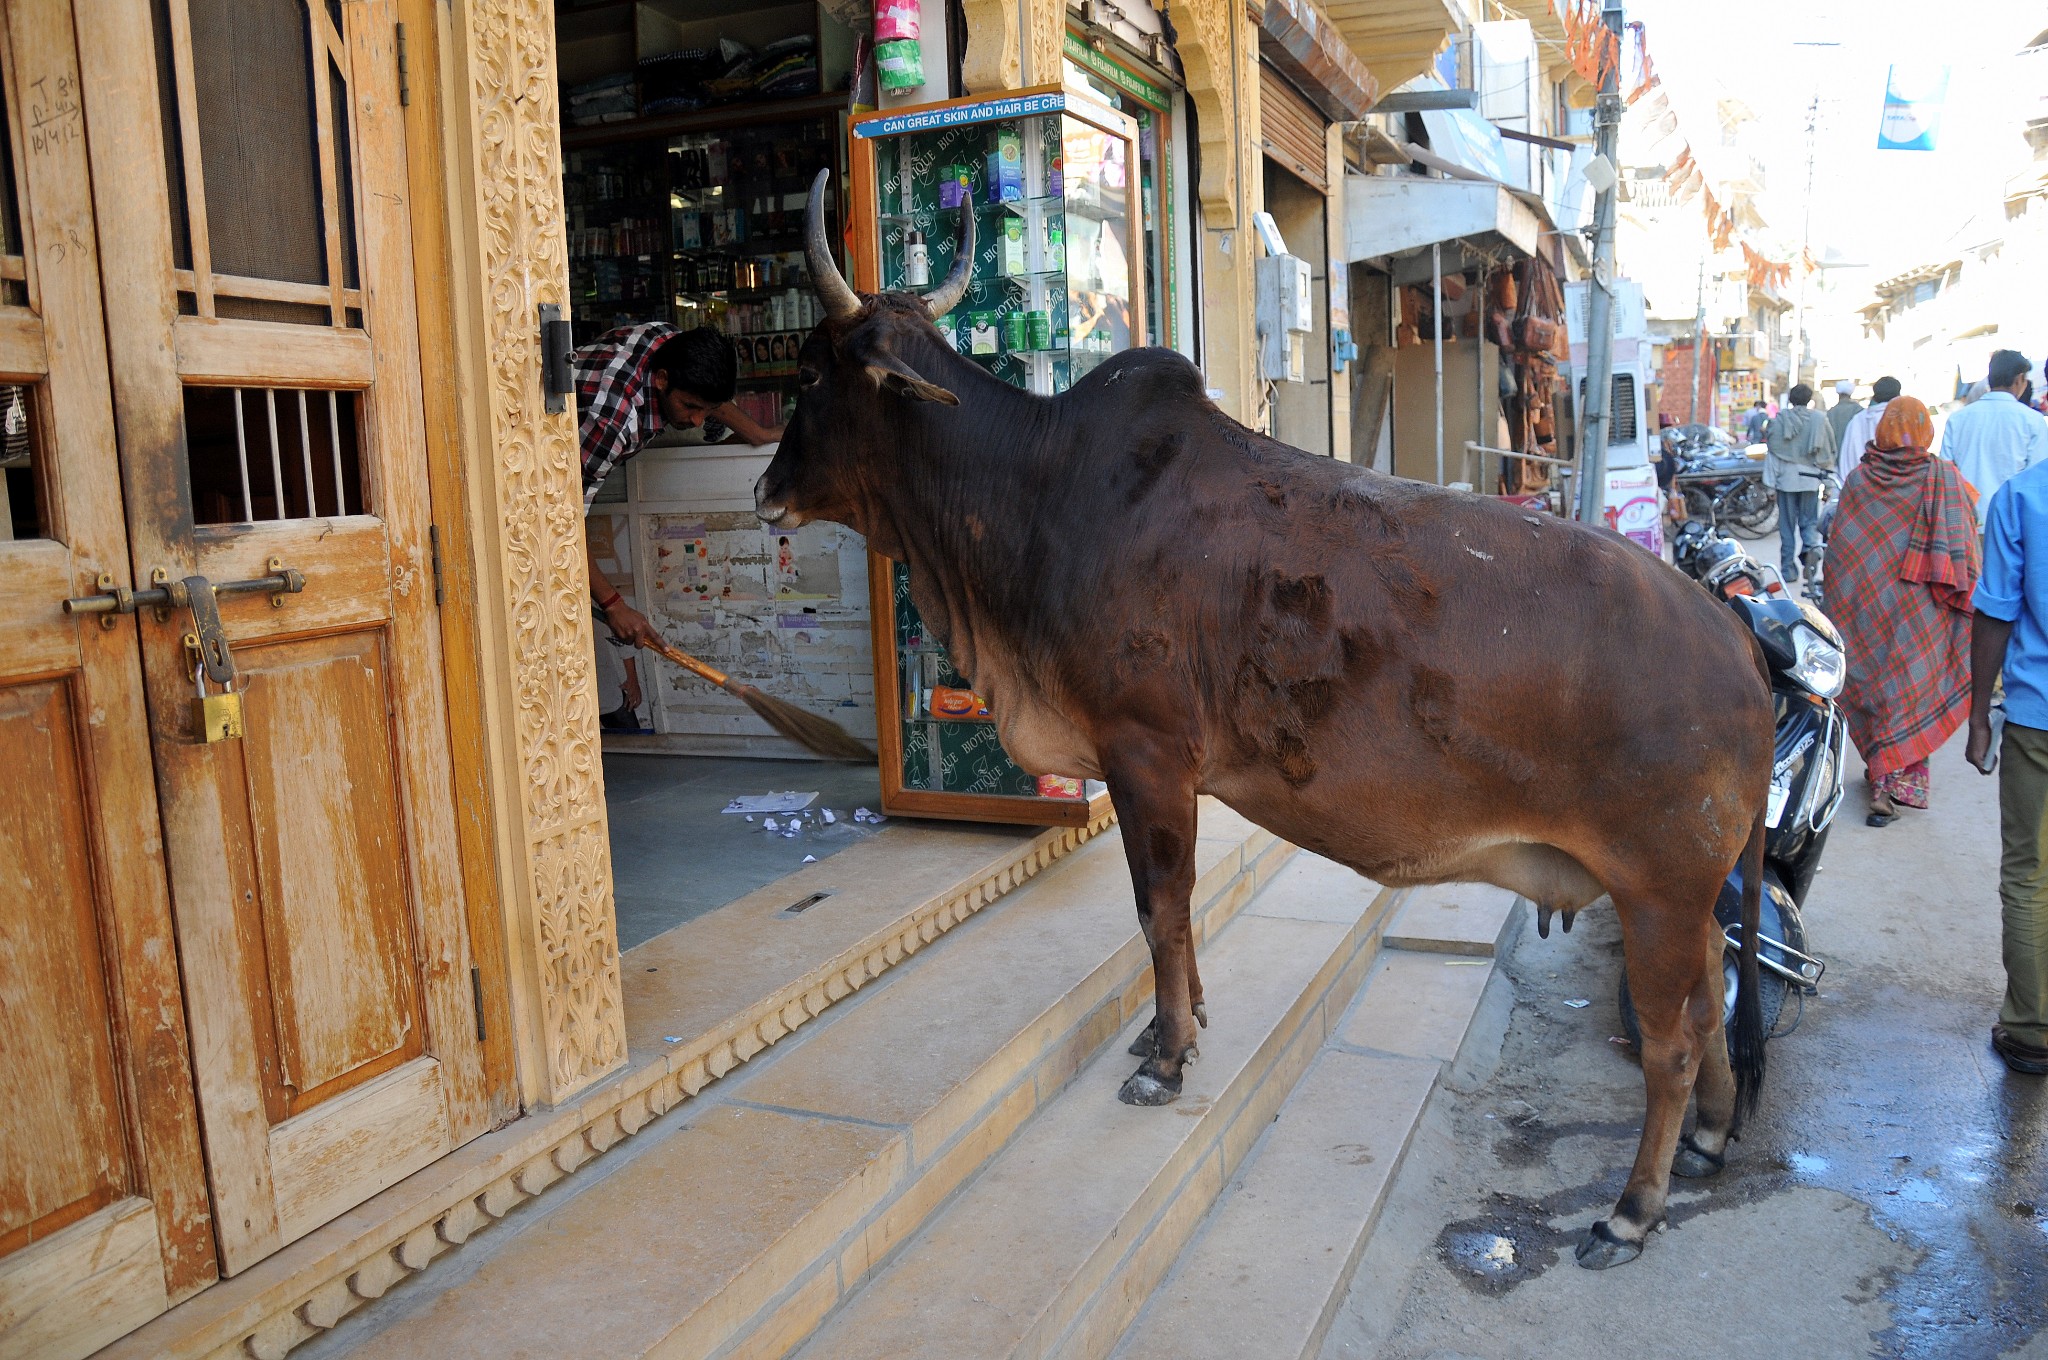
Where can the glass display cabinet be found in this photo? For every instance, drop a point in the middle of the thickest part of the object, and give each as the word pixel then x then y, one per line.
pixel 1051 176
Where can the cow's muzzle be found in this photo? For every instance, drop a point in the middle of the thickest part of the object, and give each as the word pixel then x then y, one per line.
pixel 771 510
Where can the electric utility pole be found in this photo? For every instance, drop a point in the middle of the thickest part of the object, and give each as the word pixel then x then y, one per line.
pixel 1805 249
pixel 1699 338
pixel 1595 416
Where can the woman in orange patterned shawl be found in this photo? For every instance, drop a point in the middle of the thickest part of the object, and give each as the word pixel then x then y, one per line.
pixel 1902 560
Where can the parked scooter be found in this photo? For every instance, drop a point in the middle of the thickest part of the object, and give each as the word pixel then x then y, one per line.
pixel 1807 667
pixel 1722 485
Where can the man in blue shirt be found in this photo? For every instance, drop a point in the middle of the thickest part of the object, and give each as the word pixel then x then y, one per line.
pixel 2010 634
pixel 1995 437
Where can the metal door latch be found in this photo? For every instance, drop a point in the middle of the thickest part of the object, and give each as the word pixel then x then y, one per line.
pixel 168 594
pixel 215 717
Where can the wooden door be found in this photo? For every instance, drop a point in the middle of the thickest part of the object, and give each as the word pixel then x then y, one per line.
pixel 103 1209
pixel 262 327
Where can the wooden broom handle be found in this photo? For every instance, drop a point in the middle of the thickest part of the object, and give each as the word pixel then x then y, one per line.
pixel 692 664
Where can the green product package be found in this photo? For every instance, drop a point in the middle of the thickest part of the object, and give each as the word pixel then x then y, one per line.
pixel 981 333
pixel 1013 246
pixel 901 63
pixel 1055 244
pixel 1016 332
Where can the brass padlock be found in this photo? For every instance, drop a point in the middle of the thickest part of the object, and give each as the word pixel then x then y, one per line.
pixel 216 717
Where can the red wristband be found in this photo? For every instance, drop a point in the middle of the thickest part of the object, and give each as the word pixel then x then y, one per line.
pixel 607 604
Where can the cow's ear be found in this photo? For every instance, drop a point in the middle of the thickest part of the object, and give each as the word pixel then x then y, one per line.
pixel 869 347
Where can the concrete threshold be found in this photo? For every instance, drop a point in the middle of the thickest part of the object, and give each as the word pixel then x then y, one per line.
pixel 1270 1266
pixel 734 1223
pixel 1055 1246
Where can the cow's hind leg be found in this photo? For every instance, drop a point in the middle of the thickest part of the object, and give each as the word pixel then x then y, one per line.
pixel 1704 1151
pixel 1663 951
pixel 1154 796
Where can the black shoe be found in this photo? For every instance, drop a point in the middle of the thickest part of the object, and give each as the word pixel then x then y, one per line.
pixel 2020 1056
pixel 619 720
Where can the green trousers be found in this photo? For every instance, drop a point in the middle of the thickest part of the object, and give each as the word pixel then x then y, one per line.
pixel 2023 880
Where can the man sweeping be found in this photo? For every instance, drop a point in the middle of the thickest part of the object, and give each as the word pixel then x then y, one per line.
pixel 642 386
pixel 632 385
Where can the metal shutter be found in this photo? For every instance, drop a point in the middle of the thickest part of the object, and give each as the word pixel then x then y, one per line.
pixel 1291 130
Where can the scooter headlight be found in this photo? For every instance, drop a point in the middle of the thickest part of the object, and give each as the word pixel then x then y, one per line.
pixel 1817 663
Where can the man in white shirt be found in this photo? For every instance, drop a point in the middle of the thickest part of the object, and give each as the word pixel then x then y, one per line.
pixel 1863 426
pixel 1995 437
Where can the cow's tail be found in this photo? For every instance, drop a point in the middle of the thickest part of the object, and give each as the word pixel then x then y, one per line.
pixel 1746 1044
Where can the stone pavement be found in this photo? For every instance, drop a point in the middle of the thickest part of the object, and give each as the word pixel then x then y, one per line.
pixel 1891 1198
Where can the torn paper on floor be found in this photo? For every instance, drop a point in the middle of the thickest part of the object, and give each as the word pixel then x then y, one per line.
pixel 772 802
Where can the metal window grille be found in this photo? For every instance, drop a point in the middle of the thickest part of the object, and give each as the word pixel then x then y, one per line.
pixel 263 454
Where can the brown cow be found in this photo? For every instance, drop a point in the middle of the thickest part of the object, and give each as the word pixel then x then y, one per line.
pixel 1426 685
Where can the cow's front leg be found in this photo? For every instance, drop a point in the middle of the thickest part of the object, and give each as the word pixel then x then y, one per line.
pixel 1155 807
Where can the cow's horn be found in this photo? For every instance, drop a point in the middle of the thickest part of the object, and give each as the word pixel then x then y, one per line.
pixel 829 283
pixel 947 295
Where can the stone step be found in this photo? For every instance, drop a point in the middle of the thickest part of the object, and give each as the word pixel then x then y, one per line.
pixel 1269 1268
pixel 734 1223
pixel 1454 918
pixel 1055 1246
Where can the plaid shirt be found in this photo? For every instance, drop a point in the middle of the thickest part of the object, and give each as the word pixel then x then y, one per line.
pixel 616 410
pixel 614 400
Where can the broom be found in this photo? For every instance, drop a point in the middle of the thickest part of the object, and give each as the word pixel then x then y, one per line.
pixel 807 729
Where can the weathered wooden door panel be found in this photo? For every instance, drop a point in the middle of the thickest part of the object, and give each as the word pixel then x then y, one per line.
pixel 322 795
pixel 87 1284
pixel 377 1133
pixel 56 1025
pixel 267 394
pixel 103 1205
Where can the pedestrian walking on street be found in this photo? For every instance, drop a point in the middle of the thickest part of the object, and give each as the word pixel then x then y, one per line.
pixel 1800 461
pixel 1901 566
pixel 1996 437
pixel 1845 409
pixel 1753 426
pixel 1863 427
pixel 2010 636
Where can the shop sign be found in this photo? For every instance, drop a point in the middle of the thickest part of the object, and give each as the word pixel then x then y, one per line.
pixel 1082 55
pixel 958 115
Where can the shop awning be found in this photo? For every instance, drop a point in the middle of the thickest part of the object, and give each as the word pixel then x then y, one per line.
pixel 1297 37
pixel 1398 215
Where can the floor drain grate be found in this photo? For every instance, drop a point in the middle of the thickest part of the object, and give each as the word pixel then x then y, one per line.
pixel 804 904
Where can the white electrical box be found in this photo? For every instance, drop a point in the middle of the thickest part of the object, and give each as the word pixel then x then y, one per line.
pixel 1286 317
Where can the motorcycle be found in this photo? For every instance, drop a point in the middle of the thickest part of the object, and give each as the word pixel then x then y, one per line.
pixel 1721 484
pixel 1807 667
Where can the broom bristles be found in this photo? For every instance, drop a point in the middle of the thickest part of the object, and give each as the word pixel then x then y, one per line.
pixel 807 729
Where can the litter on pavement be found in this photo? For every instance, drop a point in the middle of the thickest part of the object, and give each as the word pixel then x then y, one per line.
pixel 772 802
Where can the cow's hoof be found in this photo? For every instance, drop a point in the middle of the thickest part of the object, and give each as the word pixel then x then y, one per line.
pixel 1601 1248
pixel 1144 1088
pixel 1146 1045
pixel 1202 1014
pixel 1695 1163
